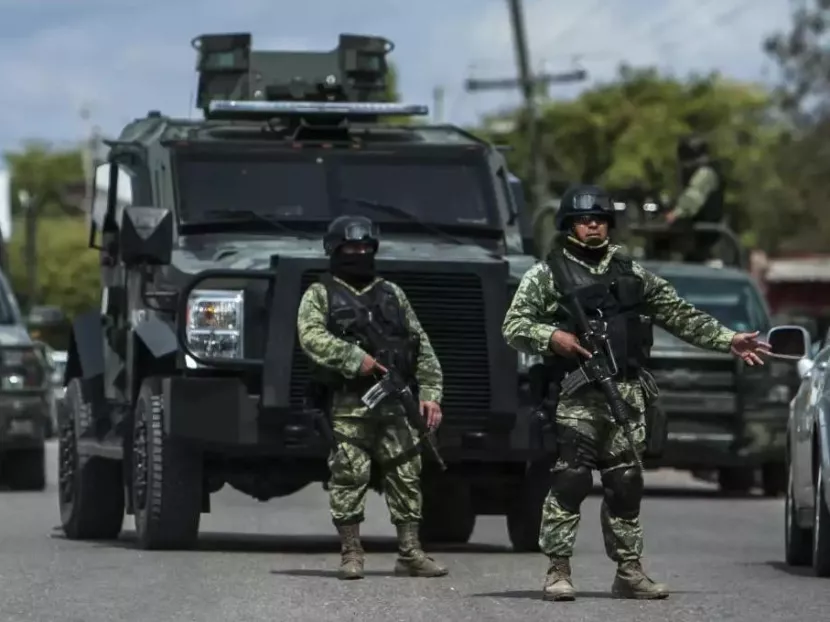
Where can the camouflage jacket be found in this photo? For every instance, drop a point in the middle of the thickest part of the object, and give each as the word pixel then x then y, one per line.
pixel 329 351
pixel 703 183
pixel 528 327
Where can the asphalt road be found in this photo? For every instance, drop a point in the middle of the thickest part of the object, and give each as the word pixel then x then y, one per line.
pixel 276 561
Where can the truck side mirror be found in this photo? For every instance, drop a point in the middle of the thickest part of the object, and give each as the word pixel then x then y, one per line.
pixel 789 340
pixel 146 236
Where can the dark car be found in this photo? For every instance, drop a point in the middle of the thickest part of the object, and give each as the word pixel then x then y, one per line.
pixel 723 415
pixel 25 399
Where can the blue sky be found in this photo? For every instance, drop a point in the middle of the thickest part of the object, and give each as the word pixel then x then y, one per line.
pixel 122 58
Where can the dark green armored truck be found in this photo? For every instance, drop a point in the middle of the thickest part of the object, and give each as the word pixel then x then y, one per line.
pixel 189 376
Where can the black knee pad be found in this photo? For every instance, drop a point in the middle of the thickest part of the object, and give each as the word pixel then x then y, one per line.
pixel 570 486
pixel 623 490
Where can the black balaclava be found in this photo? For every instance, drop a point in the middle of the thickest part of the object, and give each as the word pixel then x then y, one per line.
pixel 356 269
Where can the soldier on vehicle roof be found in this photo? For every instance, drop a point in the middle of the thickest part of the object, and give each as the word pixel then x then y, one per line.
pixel 333 326
pixel 587 436
pixel 702 195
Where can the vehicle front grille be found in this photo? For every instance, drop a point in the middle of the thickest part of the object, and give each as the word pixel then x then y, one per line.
pixel 693 374
pixel 450 307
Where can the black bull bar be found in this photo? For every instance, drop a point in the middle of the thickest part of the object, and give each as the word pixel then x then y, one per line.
pixel 285 280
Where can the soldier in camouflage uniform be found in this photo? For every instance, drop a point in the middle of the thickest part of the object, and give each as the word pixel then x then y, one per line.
pixel 701 200
pixel 333 326
pixel 587 437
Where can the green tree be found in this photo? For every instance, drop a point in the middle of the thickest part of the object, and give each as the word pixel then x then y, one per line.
pixel 802 158
pixel 52 177
pixel 803 56
pixel 68 271
pixel 392 92
pixel 623 134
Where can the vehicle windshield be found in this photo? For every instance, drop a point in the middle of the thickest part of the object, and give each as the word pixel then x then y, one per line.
pixel 735 304
pixel 308 188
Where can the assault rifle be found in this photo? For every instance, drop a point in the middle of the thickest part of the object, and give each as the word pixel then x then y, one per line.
pixel 393 386
pixel 601 368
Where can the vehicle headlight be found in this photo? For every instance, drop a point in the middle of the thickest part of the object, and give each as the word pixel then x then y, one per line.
pixel 526 361
pixel 22 369
pixel 215 323
pixel 779 394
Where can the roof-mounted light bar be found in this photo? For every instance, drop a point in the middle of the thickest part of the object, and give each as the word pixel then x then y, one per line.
pixel 304 108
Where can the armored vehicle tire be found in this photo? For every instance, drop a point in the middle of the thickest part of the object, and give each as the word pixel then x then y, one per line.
pixel 524 516
pixel 798 542
pixel 166 478
pixel 821 529
pixel 25 469
pixel 774 479
pixel 448 514
pixel 90 491
pixel 736 480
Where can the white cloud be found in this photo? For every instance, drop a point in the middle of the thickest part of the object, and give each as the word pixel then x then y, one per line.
pixel 127 59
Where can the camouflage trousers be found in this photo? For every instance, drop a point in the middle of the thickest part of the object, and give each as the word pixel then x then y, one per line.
pixel 589 438
pixel 378 437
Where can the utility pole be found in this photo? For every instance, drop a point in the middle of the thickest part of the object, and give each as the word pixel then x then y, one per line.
pixel 30 205
pixel 438 94
pixel 530 86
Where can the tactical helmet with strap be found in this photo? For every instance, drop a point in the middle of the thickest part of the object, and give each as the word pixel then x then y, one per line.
pixel 584 200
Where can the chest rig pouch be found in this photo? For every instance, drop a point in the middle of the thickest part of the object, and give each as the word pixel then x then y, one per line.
pixel 615 302
pixel 376 322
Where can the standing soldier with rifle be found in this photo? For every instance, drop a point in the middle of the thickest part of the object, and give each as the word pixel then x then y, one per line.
pixel 355 326
pixel 588 310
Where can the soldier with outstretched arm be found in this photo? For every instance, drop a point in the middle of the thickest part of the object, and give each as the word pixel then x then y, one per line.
pixel 352 324
pixel 588 437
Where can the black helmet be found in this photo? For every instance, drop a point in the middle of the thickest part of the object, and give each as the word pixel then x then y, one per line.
pixel 582 200
pixel 350 229
pixel 691 148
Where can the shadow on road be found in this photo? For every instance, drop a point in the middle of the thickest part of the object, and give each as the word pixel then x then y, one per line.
pixel 328 573
pixel 259 543
pixel 795 571
pixel 698 493
pixel 537 594
pixel 676 492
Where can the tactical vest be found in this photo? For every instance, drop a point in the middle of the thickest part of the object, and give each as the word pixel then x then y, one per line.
pixel 712 209
pixel 621 307
pixel 373 320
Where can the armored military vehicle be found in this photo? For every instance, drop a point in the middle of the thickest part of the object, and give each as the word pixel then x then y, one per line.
pixel 189 377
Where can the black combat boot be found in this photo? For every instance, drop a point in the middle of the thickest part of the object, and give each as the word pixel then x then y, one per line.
pixel 558 584
pixel 412 561
pixel 351 552
pixel 632 582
